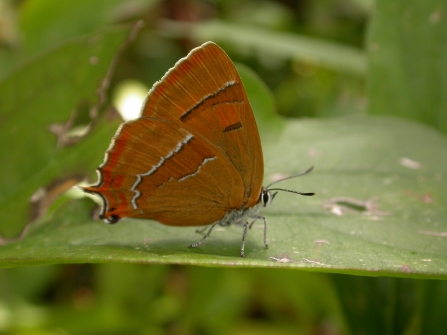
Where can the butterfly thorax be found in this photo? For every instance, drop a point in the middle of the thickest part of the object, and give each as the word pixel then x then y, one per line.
pixel 241 216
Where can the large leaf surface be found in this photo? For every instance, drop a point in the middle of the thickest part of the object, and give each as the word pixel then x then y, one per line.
pixel 396 165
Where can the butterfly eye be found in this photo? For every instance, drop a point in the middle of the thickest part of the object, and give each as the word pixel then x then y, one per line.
pixel 266 197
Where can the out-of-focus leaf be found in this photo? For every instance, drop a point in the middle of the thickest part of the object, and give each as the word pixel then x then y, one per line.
pixel 262 103
pixel 408 71
pixel 276 44
pixel 42 25
pixel 38 98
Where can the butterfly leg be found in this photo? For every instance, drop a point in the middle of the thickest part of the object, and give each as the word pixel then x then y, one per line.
pixel 220 223
pixel 256 217
pixel 194 245
pixel 200 231
pixel 265 232
pixel 244 235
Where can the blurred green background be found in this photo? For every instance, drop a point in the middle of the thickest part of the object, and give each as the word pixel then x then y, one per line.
pixel 320 59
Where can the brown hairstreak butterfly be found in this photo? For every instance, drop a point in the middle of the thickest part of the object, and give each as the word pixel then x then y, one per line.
pixel 194 156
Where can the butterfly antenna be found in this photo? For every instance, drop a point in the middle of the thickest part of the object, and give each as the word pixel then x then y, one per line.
pixel 291 191
pixel 294 176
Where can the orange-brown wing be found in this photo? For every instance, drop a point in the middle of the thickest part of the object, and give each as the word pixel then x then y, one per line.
pixel 205 94
pixel 154 169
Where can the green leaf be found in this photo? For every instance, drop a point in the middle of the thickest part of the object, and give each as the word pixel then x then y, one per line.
pixel 262 103
pixel 280 45
pixel 48 93
pixel 400 232
pixel 47 24
pixel 409 61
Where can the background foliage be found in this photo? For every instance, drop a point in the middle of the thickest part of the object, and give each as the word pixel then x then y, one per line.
pixel 369 76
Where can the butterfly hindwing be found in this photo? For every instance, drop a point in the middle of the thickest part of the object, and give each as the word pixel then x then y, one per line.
pixel 144 173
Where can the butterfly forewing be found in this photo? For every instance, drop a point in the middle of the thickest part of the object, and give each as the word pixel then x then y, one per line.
pixel 205 94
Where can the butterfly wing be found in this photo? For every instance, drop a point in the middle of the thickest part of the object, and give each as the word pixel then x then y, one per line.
pixel 193 155
pixel 205 94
